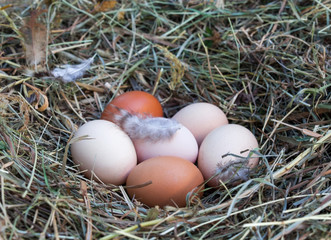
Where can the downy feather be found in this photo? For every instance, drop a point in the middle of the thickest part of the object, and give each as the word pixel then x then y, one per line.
pixel 147 128
pixel 70 73
pixel 233 171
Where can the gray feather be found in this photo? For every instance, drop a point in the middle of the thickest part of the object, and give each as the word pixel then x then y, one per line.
pixel 147 128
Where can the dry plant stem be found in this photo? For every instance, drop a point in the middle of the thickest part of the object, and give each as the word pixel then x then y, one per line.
pixel 72 108
pixel 296 161
pixel 299 221
pixel 4 76
pixel 304 131
pixel 130 229
pixel 127 199
pixel 234 213
pixel 65 155
pixel 14 84
pixel 58 50
pixel 227 83
pixel 209 66
pixel 157 80
pixel 91 87
pixel 3 200
pixel 238 62
pixel 270 110
pixel 51 220
pixel 12 23
pixel 35 160
pixel 153 223
pixel 83 189
pixel 277 125
pixel 296 221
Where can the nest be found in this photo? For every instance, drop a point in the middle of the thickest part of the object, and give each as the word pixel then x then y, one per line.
pixel 266 64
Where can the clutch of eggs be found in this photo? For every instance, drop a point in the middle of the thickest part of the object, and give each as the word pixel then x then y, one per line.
pixel 165 149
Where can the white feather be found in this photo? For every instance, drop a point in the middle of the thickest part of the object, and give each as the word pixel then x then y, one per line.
pixel 70 73
pixel 147 128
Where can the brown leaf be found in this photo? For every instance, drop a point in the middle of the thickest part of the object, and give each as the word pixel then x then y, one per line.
pixel 83 188
pixel 120 15
pixel 106 6
pixel 37 98
pixel 35 37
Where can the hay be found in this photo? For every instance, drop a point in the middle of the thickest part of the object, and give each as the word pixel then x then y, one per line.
pixel 266 64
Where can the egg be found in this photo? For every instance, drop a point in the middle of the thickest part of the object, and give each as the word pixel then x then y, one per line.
pixel 103 151
pixel 137 102
pixel 164 181
pixel 181 144
pixel 201 118
pixel 225 155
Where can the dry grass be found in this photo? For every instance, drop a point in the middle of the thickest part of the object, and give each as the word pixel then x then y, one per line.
pixel 265 63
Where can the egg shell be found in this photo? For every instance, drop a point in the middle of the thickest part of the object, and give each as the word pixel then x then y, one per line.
pixel 227 139
pixel 135 102
pixel 105 150
pixel 182 144
pixel 201 118
pixel 170 178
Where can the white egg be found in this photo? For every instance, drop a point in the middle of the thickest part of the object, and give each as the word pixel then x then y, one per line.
pixel 104 152
pixel 182 144
pixel 225 154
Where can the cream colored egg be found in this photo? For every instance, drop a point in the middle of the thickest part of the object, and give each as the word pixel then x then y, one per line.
pixel 201 118
pixel 102 148
pixel 225 154
pixel 182 144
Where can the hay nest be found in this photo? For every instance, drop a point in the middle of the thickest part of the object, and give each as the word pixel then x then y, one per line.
pixel 266 64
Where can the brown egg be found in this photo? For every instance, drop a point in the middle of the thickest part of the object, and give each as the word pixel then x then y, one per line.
pixel 164 181
pixel 135 102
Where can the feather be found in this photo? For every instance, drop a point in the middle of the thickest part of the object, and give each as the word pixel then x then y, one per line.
pixel 35 38
pixel 70 73
pixel 146 128
pixel 233 171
